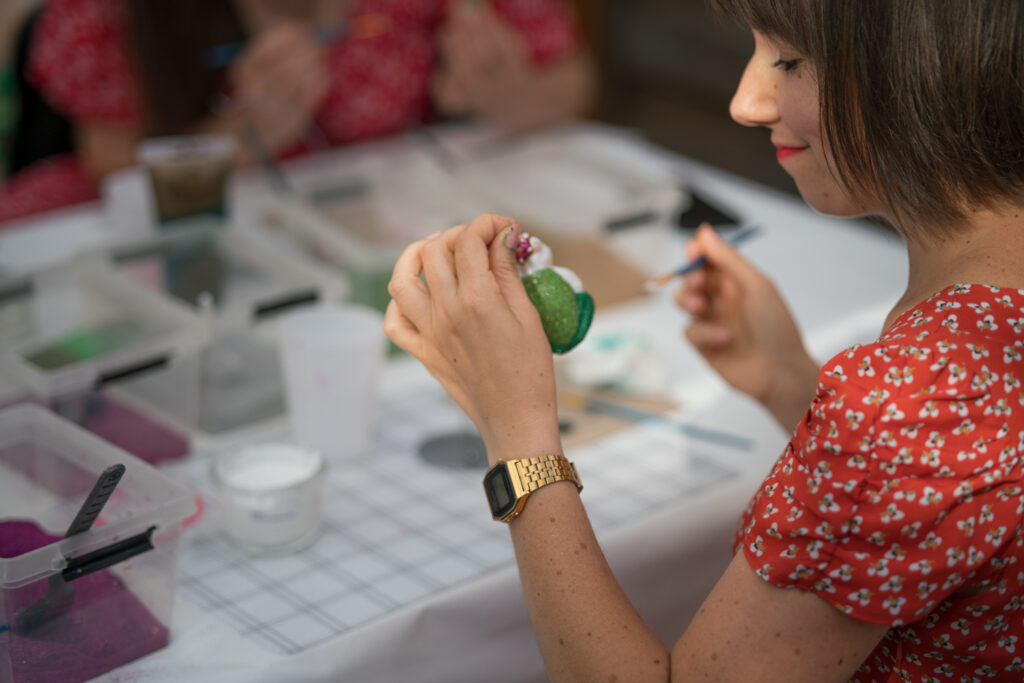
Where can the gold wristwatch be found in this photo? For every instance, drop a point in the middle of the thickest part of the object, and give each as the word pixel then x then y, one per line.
pixel 510 482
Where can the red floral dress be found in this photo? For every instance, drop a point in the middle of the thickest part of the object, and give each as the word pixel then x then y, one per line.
pixel 899 499
pixel 82 64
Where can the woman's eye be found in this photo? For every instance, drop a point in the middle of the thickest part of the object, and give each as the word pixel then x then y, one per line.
pixel 786 64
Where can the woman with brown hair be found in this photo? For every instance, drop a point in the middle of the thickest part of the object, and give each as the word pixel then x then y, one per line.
pixel 886 543
pixel 312 74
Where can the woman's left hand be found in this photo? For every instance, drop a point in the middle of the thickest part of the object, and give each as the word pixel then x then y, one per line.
pixel 474 328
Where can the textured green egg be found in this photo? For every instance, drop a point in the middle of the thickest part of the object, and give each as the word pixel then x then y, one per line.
pixel 557 304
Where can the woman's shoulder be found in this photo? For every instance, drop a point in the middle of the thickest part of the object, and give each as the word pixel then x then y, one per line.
pixel 967 311
pixel 954 338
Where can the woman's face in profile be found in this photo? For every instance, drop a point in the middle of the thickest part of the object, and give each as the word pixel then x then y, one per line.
pixel 779 91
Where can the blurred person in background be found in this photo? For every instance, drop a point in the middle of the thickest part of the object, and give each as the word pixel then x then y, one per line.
pixel 120 71
pixel 12 16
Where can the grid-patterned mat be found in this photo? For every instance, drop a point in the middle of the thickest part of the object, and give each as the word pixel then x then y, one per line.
pixel 397 528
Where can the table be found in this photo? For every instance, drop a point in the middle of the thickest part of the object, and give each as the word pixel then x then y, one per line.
pixel 427 591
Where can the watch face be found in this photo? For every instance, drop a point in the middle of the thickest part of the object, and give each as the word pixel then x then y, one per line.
pixel 498 486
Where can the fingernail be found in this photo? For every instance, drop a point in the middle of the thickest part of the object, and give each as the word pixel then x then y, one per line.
pixel 432 235
pixel 512 236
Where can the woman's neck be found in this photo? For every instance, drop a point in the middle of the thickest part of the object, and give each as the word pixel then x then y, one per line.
pixel 987 248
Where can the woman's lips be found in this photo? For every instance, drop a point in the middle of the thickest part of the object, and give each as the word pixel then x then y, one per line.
pixel 782 153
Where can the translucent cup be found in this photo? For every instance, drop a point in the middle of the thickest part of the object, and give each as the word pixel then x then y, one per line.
pixel 270 496
pixel 332 356
pixel 189 175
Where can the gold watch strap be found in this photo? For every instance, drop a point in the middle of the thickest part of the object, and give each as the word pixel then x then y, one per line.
pixel 545 469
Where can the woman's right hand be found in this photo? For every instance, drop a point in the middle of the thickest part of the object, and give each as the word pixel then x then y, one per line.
pixel 280 80
pixel 744 330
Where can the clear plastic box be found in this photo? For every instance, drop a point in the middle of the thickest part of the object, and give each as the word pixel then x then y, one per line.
pixel 77 327
pixel 229 278
pixel 247 282
pixel 76 337
pixel 121 572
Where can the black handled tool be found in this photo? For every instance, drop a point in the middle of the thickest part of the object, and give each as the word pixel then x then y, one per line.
pixel 59 593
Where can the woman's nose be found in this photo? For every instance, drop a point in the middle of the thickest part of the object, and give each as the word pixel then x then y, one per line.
pixel 755 103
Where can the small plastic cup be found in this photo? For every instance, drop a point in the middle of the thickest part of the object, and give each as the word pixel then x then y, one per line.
pixel 332 356
pixel 270 496
pixel 189 175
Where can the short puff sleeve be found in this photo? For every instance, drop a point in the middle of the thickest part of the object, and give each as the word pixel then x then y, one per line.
pixel 81 63
pixel 898 487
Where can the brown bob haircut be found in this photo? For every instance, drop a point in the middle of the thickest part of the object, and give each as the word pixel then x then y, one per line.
pixel 922 101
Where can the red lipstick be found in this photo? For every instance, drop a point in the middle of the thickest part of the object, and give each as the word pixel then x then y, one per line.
pixel 782 153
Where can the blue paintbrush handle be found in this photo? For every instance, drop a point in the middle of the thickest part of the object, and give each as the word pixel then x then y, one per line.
pixel 220 56
pixel 736 238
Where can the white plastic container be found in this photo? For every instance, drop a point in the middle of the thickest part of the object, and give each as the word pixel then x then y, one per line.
pixel 270 496
pixel 122 570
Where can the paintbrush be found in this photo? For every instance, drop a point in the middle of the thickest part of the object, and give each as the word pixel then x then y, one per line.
pixel 359 27
pixel 739 236
pixel 577 400
pixel 59 594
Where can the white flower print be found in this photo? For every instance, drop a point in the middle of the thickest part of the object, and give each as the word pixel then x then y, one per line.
pixel 892 514
pixel 1000 408
pixel 932 540
pixel 801 573
pixel 875 397
pixel 988 323
pixel 910 530
pixel 836 373
pixel 862 596
pixel 958 408
pixel 824 585
pixel 828 503
pixel 892 412
pixel 966 526
pixel 879 567
pixel 930 409
pixel 893 585
pixel 963 625
pixel 956 373
pixel 894 604
pixel 895 552
pixel 986 514
pixel 1010 382
pixel 965 427
pixel 977 352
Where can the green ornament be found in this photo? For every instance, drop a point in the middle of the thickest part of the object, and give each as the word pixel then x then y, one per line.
pixel 564 313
